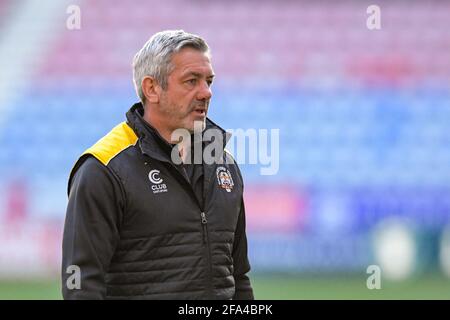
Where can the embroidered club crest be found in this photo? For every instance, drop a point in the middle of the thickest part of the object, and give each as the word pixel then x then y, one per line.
pixel 224 179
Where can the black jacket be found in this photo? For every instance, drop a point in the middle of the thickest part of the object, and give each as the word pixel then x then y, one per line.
pixel 136 229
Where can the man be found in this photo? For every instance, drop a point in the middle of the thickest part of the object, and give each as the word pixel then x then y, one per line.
pixel 141 226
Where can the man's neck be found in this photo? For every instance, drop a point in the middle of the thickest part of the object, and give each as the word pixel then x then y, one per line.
pixel 163 131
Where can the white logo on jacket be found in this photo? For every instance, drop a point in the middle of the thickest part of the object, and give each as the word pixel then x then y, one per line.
pixel 224 179
pixel 156 180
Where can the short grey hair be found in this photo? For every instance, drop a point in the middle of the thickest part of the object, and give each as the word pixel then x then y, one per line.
pixel 154 59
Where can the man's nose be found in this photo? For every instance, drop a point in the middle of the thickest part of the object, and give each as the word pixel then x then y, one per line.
pixel 204 92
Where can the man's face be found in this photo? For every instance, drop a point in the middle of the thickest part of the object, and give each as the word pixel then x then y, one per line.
pixel 188 93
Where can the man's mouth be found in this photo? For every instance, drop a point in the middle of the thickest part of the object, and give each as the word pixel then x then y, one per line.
pixel 200 111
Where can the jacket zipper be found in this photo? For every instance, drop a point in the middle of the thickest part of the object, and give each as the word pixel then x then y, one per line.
pixel 204 222
pixel 208 248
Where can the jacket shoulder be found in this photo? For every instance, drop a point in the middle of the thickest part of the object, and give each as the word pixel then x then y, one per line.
pixel 114 142
pixel 104 150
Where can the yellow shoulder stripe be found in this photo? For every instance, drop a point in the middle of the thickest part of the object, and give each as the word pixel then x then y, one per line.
pixel 114 142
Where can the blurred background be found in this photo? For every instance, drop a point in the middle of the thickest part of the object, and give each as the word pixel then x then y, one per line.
pixel 364 116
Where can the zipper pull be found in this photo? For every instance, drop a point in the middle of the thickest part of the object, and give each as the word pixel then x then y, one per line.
pixel 204 221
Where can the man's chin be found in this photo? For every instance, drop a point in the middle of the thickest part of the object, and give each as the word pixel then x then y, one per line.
pixel 193 125
pixel 198 125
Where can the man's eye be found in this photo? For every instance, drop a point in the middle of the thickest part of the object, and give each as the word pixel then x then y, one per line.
pixel 209 82
pixel 192 81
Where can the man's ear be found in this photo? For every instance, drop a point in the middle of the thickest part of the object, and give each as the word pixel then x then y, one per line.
pixel 151 89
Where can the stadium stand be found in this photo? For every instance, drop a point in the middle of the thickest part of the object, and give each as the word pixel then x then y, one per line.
pixel 363 115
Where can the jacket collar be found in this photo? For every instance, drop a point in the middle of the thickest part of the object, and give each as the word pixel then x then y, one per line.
pixel 151 142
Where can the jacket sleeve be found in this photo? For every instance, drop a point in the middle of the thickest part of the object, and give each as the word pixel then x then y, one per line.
pixel 243 286
pixel 91 229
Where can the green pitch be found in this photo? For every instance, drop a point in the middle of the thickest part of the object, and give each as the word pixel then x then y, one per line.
pixel 279 287
pixel 349 287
